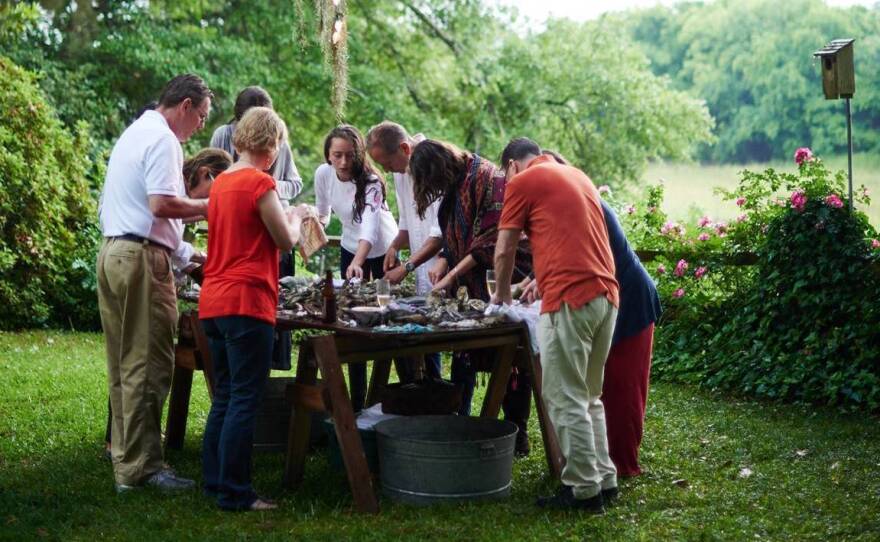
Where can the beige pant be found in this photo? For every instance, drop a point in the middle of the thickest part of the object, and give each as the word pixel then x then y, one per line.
pixel 138 313
pixel 574 346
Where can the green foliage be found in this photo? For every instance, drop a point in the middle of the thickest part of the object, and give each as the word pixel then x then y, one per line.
pixel 751 61
pixel 450 69
pixel 47 211
pixel 798 325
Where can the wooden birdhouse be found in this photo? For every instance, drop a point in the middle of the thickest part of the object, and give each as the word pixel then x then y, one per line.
pixel 838 72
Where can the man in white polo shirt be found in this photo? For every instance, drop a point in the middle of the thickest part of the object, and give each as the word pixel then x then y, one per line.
pixel 390 146
pixel 142 206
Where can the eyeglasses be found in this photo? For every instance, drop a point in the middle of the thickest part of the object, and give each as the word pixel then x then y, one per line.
pixel 203 115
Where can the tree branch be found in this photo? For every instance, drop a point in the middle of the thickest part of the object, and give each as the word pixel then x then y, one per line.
pixel 436 30
pixel 396 56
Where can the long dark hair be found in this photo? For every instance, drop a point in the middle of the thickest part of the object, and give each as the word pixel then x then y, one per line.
pixel 363 172
pixel 250 97
pixel 436 168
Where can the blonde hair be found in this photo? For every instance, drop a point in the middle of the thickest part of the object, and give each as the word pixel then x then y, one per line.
pixel 260 130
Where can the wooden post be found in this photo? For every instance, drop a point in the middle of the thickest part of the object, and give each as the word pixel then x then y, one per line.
pixel 178 407
pixel 204 351
pixel 300 424
pixel 555 460
pixel 498 381
pixel 378 380
pixel 346 430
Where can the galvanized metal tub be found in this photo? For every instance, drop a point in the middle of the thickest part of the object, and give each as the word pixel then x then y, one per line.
pixel 429 459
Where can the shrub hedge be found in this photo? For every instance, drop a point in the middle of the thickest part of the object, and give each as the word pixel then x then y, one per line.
pixel 48 229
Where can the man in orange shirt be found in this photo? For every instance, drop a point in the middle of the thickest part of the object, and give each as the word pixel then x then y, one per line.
pixel 558 207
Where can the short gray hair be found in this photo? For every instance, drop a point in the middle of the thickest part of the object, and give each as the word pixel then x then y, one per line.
pixel 387 136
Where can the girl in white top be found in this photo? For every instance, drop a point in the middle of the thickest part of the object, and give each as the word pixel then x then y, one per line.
pixel 349 186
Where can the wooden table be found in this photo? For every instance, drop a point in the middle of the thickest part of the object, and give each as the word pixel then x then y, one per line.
pixel 328 353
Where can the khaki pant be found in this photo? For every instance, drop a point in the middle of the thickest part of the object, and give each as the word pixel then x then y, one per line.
pixel 574 346
pixel 138 313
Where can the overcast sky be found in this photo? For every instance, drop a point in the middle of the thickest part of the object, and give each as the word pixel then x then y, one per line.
pixel 539 10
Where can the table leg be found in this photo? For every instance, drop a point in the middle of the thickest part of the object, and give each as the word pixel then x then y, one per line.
pixel 300 424
pixel 378 380
pixel 204 351
pixel 498 381
pixel 346 431
pixel 555 460
pixel 178 408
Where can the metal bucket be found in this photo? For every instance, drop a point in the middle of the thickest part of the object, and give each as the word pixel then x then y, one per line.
pixel 429 459
pixel 273 418
pixel 334 452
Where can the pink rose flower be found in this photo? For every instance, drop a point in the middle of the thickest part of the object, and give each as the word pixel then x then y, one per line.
pixel 604 189
pixel 721 229
pixel 678 293
pixel 803 154
pixel 680 268
pixel 704 221
pixel 833 200
pixel 742 218
pixel 670 227
pixel 700 271
pixel 875 243
pixel 798 200
pixel 661 269
pixel 703 236
pixel 630 209
pixel 740 201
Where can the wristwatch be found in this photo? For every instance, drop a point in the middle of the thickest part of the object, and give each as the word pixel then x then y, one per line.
pixel 409 267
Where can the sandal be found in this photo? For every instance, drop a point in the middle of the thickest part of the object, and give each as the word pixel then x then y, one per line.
pixel 262 505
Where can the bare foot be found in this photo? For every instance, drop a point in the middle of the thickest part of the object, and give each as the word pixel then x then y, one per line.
pixel 260 505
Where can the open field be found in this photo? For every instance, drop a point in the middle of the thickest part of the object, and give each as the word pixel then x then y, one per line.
pixel 690 187
pixel 716 469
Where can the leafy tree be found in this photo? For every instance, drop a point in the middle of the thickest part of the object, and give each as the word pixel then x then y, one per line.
pixel 751 61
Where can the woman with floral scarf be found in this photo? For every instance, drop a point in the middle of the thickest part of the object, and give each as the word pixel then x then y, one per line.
pixel 471 190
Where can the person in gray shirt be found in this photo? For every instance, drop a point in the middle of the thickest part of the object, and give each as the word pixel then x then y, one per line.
pixel 288 181
pixel 288 184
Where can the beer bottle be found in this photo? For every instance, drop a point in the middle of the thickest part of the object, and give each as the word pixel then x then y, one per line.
pixel 329 296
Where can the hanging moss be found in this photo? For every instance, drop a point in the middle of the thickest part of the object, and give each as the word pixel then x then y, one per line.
pixel 333 32
pixel 300 32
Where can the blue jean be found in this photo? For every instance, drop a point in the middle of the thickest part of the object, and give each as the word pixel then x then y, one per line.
pixel 432 365
pixel 241 351
pixel 357 372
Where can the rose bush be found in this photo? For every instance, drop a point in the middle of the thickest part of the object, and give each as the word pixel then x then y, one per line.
pixel 780 304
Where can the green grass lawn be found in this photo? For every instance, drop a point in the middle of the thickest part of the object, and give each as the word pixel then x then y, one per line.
pixel 690 187
pixel 717 469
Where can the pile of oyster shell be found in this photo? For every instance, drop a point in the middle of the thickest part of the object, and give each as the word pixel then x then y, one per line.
pixel 356 302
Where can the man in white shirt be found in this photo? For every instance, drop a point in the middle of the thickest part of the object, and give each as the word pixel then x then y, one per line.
pixel 142 206
pixel 390 146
